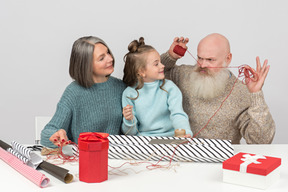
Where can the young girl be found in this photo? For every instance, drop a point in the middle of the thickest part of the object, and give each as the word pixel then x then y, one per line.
pixel 152 106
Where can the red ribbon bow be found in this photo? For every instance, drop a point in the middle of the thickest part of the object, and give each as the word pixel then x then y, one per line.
pixel 93 136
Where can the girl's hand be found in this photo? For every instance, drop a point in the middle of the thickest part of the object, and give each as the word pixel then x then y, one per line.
pixel 60 138
pixel 128 113
pixel 187 136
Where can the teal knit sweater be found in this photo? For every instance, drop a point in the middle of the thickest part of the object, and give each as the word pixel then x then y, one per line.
pixel 94 109
pixel 156 112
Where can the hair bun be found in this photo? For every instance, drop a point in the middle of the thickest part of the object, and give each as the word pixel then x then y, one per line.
pixel 141 41
pixel 134 45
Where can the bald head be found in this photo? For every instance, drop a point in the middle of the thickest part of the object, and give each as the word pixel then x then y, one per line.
pixel 215 47
pixel 215 41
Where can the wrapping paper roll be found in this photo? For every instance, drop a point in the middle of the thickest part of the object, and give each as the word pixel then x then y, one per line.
pixel 19 156
pixel 154 148
pixel 26 155
pixel 58 172
pixel 33 175
pixel 4 145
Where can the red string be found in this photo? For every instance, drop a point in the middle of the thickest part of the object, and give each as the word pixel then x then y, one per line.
pixel 245 71
pixel 156 165
pixel 64 157
pixel 179 50
pixel 60 155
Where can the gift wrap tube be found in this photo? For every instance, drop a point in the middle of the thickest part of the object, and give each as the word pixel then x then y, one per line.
pixel 4 145
pixel 33 175
pixel 56 171
pixel 93 157
pixel 155 148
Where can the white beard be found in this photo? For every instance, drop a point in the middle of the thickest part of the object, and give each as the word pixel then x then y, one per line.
pixel 210 85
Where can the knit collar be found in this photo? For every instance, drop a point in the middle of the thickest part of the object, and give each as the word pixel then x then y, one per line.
pixel 103 85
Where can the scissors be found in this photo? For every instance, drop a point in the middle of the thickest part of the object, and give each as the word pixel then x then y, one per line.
pixel 35 147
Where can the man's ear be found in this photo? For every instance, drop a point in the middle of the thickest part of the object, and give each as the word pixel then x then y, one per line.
pixel 228 59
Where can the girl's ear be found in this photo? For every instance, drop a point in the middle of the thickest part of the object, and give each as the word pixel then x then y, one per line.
pixel 142 73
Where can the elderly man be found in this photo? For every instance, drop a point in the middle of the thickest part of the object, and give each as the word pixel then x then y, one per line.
pixel 207 84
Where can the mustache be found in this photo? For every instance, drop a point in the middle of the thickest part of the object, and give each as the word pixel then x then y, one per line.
pixel 198 69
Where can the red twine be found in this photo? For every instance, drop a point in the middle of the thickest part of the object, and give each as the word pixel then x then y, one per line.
pixel 60 155
pixel 245 71
pixel 179 50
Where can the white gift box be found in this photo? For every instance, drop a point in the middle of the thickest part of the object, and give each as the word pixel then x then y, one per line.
pixel 251 170
pixel 129 147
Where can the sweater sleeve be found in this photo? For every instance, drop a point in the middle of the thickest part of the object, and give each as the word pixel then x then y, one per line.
pixel 129 127
pixel 178 117
pixel 169 64
pixel 256 123
pixel 60 120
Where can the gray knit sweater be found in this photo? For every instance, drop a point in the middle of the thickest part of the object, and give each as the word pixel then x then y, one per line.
pixel 94 109
pixel 243 114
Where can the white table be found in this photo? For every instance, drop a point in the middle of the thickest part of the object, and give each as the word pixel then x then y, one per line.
pixel 185 177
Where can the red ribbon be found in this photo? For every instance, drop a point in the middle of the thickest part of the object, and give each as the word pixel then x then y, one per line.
pixel 93 136
pixel 92 141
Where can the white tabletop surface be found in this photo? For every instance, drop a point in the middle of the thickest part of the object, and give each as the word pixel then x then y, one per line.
pixel 185 176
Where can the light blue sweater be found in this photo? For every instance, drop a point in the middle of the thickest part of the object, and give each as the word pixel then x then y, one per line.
pixel 80 109
pixel 156 112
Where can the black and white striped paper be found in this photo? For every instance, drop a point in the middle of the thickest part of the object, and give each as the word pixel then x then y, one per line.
pixel 25 154
pixel 129 147
pixel 18 155
pixel 24 151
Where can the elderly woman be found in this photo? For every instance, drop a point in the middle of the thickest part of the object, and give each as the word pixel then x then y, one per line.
pixel 92 102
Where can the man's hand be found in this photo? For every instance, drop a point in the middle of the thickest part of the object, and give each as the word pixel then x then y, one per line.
pixel 177 41
pixel 255 86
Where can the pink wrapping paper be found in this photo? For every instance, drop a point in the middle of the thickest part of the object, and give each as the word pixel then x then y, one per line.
pixel 33 175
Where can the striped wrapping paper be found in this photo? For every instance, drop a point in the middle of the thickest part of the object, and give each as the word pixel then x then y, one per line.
pixel 24 151
pixel 18 155
pixel 24 154
pixel 33 175
pixel 197 149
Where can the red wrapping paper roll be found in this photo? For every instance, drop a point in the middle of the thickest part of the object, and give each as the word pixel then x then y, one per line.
pixel 33 175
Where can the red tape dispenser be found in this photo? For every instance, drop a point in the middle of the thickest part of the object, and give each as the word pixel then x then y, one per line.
pixel 179 50
pixel 93 157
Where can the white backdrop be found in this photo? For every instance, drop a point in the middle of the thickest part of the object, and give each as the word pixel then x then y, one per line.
pixel 37 36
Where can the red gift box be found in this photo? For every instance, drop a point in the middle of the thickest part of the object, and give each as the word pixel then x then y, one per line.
pixel 93 157
pixel 251 170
